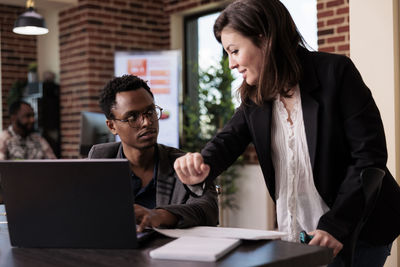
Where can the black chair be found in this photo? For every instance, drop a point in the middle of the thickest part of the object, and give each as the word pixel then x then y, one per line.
pixel 371 179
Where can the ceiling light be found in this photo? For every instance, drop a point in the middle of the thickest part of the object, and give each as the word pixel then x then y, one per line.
pixel 30 22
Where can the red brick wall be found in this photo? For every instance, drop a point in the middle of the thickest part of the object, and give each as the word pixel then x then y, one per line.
pixel 333 26
pixel 17 51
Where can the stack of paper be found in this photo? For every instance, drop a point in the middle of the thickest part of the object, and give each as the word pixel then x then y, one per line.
pixel 195 248
pixel 204 243
pixel 222 232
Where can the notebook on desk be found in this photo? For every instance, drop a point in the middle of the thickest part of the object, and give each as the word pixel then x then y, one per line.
pixel 69 203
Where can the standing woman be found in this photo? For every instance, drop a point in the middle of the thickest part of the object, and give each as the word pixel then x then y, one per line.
pixel 315 127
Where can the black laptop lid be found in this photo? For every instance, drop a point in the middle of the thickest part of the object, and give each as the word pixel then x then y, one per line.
pixel 69 203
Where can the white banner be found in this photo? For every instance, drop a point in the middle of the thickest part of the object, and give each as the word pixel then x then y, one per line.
pixel 161 70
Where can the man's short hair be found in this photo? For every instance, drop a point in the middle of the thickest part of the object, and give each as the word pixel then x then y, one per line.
pixel 15 106
pixel 116 85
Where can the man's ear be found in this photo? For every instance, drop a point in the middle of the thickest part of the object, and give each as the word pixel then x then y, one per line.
pixel 111 126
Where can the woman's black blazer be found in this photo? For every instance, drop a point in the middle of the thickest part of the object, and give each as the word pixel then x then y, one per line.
pixel 344 135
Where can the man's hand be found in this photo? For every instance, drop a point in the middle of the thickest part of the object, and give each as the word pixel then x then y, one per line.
pixel 153 217
pixel 191 168
pixel 324 239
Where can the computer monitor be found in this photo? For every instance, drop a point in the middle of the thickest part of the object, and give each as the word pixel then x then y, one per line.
pixel 93 131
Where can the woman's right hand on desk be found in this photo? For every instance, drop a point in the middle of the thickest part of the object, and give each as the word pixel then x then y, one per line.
pixel 191 168
pixel 324 239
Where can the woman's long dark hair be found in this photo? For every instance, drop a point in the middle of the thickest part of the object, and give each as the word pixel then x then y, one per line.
pixel 269 25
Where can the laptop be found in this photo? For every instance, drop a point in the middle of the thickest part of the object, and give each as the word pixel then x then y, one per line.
pixel 74 203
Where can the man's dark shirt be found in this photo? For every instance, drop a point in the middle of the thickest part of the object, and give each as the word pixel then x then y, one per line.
pixel 145 196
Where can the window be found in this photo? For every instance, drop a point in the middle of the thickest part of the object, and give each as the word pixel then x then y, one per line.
pixel 201 49
pixel 304 14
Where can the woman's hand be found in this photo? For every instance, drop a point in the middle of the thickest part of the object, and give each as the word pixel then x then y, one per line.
pixel 324 239
pixel 191 168
pixel 153 217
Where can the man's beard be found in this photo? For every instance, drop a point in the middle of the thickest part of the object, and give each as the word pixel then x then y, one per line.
pixel 26 128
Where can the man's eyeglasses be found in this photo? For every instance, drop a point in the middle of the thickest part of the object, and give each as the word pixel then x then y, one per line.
pixel 136 119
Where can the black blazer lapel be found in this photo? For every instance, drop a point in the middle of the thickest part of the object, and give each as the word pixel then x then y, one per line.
pixel 310 117
pixel 308 87
pixel 259 118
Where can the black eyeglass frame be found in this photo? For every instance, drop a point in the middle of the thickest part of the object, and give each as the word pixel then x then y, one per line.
pixel 136 122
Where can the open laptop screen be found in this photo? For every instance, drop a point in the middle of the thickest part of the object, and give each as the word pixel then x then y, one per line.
pixel 69 203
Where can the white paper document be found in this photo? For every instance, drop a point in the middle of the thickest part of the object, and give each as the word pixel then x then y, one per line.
pixel 195 248
pixel 222 232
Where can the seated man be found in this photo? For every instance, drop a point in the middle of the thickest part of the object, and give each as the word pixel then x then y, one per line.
pixel 160 198
pixel 20 141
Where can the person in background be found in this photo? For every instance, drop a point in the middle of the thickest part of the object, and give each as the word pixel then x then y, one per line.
pixel 160 198
pixel 19 141
pixel 315 127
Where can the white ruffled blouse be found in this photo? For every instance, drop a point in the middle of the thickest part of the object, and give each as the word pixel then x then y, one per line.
pixel 298 203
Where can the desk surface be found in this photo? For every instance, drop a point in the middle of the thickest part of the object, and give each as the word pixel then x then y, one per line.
pixel 249 253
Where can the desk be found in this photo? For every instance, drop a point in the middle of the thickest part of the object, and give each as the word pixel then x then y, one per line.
pixel 249 253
